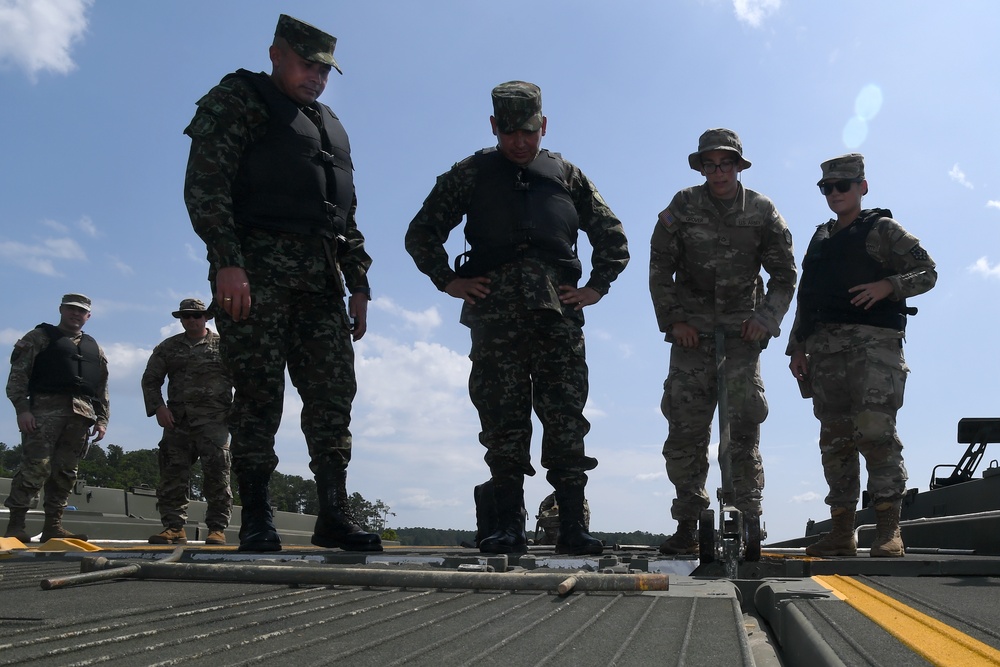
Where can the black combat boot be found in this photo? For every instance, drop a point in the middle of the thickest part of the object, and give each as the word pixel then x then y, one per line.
pixel 509 537
pixel 573 536
pixel 335 526
pixel 257 532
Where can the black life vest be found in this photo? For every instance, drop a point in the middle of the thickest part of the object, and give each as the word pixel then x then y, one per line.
pixel 296 178
pixel 833 265
pixel 518 211
pixel 65 367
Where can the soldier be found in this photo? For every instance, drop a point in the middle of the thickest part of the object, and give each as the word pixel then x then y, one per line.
pixel 59 387
pixel 524 207
pixel 199 395
pixel 846 351
pixel 270 190
pixel 706 253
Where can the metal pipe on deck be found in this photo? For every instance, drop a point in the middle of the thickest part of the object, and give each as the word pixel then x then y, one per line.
pixel 340 576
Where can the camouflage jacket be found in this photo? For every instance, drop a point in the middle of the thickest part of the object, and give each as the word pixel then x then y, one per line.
pixel 704 266
pixel 230 118
pixel 22 360
pixel 892 246
pixel 529 283
pixel 199 388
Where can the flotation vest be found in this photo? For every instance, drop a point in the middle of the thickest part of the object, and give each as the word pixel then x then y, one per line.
pixel 832 266
pixel 65 367
pixel 297 177
pixel 518 211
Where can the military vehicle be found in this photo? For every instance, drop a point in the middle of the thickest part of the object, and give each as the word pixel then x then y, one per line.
pixel 118 600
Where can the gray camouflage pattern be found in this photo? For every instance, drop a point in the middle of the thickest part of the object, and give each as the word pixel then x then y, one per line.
pixel 199 395
pixel 51 454
pixel 857 375
pixel 704 269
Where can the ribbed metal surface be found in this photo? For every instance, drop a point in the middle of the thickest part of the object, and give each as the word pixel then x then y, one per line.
pixel 172 623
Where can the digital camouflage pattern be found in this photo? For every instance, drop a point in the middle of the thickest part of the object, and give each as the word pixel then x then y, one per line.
pixel 548 519
pixel 843 168
pixel 689 402
pixel 308 41
pixel 51 454
pixel 719 139
pixel 857 374
pixel 517 105
pixel 298 317
pixel 199 395
pixel 527 348
pixel 704 269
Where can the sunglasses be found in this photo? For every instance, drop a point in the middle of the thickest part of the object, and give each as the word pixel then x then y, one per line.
pixel 192 316
pixel 725 166
pixel 841 186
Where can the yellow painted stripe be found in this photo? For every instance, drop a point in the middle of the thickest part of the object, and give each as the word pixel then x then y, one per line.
pixel 937 642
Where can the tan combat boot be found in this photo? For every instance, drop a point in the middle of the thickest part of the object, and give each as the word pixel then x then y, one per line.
pixel 684 541
pixel 840 540
pixel 52 529
pixel 215 536
pixel 16 527
pixel 169 535
pixel 888 542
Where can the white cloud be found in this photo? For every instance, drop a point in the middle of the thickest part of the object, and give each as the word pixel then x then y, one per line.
pixel 39 258
pixel 58 226
pixel 753 12
pixel 983 268
pixel 808 497
pixel 958 176
pixel 415 498
pixel 993 203
pixel 38 35
pixel 121 266
pixel 193 254
pixel 423 321
pixel 88 226
pixel 10 336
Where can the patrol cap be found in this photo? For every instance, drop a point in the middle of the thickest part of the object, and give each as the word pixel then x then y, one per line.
pixel 850 167
pixel 308 41
pixel 191 306
pixel 517 105
pixel 719 139
pixel 78 300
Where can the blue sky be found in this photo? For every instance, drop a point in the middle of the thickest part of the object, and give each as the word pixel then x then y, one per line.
pixel 94 95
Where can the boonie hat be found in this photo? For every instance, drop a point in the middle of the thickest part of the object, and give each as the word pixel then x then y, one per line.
pixel 191 306
pixel 78 300
pixel 850 167
pixel 719 139
pixel 517 105
pixel 308 41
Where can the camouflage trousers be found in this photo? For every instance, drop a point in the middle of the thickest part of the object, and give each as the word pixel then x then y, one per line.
pixel 49 460
pixel 689 404
pixel 534 361
pixel 856 394
pixel 180 447
pixel 309 333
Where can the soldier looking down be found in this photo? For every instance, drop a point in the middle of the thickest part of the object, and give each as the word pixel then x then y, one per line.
pixel 524 208
pixel 270 190
pixel 706 253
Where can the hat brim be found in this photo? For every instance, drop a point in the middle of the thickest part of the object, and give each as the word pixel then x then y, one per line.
pixel 76 304
pixel 178 313
pixel 694 159
pixel 322 57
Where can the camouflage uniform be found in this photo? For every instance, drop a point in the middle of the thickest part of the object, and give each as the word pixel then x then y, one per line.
pixel 857 372
pixel 527 347
pixel 298 318
pixel 704 269
pixel 51 454
pixel 199 395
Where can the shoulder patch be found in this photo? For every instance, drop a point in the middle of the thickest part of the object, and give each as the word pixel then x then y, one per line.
pixel 919 253
pixel 666 218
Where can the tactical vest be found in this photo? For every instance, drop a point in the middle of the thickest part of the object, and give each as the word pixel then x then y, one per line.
pixel 297 177
pixel 520 211
pixel 835 264
pixel 65 367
